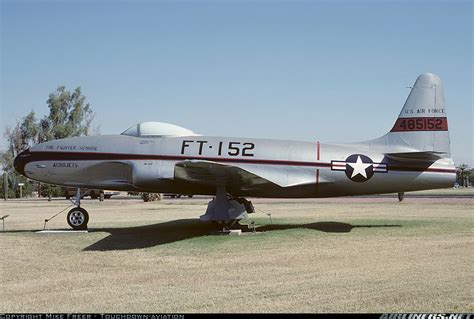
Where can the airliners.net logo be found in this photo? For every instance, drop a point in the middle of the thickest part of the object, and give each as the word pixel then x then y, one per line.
pixel 425 316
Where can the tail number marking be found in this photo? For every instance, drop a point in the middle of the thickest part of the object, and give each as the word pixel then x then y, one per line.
pixel 420 124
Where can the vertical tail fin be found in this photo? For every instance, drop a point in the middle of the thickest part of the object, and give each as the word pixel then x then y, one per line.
pixel 422 125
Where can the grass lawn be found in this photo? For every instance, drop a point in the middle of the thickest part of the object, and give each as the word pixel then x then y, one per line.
pixel 317 255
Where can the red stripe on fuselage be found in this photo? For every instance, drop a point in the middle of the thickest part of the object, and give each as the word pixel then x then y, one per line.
pixel 93 156
pixel 421 169
pixel 36 156
pixel 318 151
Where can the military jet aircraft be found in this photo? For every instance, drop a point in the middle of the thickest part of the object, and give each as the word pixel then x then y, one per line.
pixel 161 157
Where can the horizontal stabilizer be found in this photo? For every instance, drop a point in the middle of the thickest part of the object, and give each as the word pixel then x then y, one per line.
pixel 416 156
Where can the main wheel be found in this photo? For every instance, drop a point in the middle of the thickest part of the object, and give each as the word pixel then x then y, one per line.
pixel 78 218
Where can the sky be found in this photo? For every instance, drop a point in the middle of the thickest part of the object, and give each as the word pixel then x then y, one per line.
pixel 301 70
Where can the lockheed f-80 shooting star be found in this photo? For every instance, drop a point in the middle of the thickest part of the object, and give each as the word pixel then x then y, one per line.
pixel 160 157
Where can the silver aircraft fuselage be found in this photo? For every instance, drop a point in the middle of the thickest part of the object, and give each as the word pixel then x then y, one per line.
pixel 276 168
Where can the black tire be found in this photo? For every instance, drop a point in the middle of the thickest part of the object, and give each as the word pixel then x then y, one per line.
pixel 67 196
pixel 93 195
pixel 78 218
pixel 190 196
pixel 107 196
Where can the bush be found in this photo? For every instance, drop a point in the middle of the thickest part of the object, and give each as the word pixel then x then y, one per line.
pixel 47 190
pixel 150 197
pixel 14 192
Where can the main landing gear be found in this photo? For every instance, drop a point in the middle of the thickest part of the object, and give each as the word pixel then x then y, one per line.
pixel 401 196
pixel 226 210
pixel 78 217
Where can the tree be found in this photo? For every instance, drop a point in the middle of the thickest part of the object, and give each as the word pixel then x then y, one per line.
pixel 462 175
pixel 23 135
pixel 19 138
pixel 69 116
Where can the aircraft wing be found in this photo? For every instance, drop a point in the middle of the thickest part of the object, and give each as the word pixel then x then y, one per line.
pixel 242 176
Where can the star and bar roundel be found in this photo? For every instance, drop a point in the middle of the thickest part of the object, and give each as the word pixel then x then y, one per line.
pixel 358 167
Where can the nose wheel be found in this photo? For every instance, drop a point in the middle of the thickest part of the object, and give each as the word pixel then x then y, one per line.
pixel 78 218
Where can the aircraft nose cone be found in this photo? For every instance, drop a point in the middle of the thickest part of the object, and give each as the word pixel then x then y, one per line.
pixel 20 161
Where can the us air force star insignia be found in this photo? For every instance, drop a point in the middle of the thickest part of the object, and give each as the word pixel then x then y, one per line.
pixel 358 168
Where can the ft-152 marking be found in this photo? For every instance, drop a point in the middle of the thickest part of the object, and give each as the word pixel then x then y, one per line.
pixel 222 148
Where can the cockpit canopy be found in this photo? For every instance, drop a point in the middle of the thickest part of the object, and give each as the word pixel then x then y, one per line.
pixel 157 129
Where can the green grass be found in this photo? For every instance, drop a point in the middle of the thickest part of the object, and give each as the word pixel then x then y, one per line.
pixel 451 191
pixel 347 255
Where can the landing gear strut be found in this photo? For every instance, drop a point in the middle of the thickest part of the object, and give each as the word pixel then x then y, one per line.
pixel 226 210
pixel 78 217
pixel 401 196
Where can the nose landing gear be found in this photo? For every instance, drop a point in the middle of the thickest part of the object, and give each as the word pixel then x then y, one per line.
pixel 78 217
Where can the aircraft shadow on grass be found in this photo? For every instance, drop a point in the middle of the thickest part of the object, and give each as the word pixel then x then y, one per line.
pixel 177 230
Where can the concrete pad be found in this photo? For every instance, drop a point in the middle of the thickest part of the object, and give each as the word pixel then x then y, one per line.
pixel 61 231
